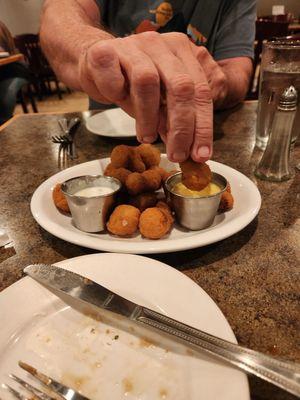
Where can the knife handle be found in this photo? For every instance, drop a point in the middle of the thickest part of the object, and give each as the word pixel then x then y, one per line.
pixel 285 375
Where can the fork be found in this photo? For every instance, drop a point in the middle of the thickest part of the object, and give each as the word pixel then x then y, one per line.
pixel 57 389
pixel 66 139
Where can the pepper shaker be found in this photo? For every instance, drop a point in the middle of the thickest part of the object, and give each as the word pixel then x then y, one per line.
pixel 274 164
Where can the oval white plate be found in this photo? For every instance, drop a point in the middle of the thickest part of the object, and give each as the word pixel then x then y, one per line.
pixel 112 123
pixel 104 362
pixel 246 207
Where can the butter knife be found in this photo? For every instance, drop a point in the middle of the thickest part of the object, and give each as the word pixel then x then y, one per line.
pixel 283 374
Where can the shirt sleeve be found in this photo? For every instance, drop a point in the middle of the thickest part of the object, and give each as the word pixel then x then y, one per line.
pixel 102 6
pixel 235 36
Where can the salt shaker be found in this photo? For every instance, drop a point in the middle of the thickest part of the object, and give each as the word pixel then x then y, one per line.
pixel 274 164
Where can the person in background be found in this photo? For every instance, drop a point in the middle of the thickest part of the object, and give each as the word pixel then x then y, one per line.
pixel 166 63
pixel 13 76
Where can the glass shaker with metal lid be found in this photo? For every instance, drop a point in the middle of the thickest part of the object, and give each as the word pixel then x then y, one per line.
pixel 275 162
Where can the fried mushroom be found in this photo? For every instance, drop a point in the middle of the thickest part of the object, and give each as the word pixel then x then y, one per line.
pixel 154 223
pixel 195 176
pixel 124 220
pixel 59 198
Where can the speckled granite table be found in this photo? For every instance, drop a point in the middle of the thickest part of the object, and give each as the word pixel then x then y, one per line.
pixel 254 276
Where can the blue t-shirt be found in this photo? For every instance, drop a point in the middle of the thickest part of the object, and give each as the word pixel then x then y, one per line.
pixel 225 27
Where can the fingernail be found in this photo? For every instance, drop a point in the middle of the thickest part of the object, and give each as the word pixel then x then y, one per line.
pixel 147 139
pixel 179 156
pixel 203 151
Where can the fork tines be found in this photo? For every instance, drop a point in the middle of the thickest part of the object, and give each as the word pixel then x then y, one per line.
pixel 55 390
pixel 61 139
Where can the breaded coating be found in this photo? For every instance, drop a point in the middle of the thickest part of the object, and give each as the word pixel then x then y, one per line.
pixel 152 180
pixel 150 154
pixel 120 156
pixel 143 200
pixel 169 173
pixel 136 163
pixel 154 223
pixel 118 173
pixel 135 183
pixel 124 220
pixel 159 169
pixel 195 176
pixel 60 199
pixel 227 200
pixel 163 172
pixel 163 206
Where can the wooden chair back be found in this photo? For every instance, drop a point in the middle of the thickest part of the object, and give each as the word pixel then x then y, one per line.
pixel 29 45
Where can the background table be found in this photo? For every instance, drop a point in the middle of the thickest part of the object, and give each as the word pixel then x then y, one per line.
pixel 11 59
pixel 294 28
pixel 253 276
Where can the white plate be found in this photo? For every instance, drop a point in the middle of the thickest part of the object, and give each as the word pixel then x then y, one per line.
pixel 112 123
pixel 104 362
pixel 246 207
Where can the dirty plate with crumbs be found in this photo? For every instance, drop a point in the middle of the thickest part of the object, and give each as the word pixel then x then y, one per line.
pixel 103 361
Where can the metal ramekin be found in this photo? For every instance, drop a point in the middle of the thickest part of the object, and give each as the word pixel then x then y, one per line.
pixel 90 213
pixel 194 213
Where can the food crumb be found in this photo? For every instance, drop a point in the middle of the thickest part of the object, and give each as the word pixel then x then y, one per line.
pixel 163 393
pixel 189 352
pixel 98 364
pixel 107 331
pixel 116 337
pixel 93 330
pixel 127 384
pixel 145 343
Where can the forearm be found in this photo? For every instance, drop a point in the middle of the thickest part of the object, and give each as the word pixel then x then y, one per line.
pixel 67 31
pixel 238 72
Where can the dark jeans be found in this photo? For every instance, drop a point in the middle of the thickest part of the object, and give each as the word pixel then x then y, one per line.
pixel 9 89
pixel 12 78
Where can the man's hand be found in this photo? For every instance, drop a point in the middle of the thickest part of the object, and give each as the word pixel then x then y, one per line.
pixel 133 72
pixel 166 82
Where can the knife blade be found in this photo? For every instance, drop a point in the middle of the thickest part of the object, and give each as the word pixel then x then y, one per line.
pixel 94 296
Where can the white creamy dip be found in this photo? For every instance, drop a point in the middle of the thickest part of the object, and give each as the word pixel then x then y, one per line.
pixel 94 191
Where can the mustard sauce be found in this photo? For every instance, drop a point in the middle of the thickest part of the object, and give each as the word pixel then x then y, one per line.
pixel 209 190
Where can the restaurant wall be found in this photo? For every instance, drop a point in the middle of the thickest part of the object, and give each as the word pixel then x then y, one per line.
pixel 264 7
pixel 21 16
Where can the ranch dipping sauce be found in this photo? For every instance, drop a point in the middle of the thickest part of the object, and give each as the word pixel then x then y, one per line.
pixel 94 191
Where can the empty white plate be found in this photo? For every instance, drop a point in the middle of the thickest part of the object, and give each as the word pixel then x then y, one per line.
pixel 112 123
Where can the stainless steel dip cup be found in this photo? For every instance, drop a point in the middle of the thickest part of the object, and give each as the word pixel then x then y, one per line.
pixel 90 213
pixel 194 213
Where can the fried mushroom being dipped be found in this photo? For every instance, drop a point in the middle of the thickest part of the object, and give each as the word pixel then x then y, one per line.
pixel 195 176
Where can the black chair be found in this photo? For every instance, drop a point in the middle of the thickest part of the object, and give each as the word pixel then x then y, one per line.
pixel 43 75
